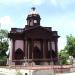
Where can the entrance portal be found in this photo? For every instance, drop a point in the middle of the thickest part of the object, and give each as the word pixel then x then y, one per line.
pixel 37 55
pixel 19 55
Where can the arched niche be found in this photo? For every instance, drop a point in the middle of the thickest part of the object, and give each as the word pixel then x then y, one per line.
pixel 52 55
pixel 37 55
pixel 19 55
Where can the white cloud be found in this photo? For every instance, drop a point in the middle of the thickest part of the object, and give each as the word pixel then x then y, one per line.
pixel 54 2
pixel 9 2
pixel 62 3
pixel 6 22
pixel 61 43
pixel 13 1
pixel 37 2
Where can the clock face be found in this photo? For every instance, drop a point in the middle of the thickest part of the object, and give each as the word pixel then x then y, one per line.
pixel 35 21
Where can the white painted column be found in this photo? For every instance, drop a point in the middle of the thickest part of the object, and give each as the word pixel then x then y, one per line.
pixel 10 49
pixel 53 45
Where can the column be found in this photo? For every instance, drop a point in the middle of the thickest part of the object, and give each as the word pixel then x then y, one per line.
pixel 46 51
pixel 45 48
pixel 41 42
pixel 32 49
pixel 51 51
pixel 13 53
pixel 13 50
pixel 10 53
pixel 56 49
pixel 56 46
pixel 24 47
pixel 10 49
pixel 28 50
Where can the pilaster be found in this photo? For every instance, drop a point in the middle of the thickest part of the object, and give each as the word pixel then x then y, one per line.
pixel 13 50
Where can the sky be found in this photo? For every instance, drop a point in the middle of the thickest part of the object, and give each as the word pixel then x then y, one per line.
pixel 58 14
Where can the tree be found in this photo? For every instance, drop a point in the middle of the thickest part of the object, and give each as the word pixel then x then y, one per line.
pixel 3 35
pixel 3 46
pixel 18 73
pixel 63 56
pixel 69 49
pixel 70 46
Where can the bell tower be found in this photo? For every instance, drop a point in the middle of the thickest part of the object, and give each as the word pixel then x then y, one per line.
pixel 33 19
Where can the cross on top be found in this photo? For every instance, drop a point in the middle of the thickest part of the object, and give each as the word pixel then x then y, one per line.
pixel 33 8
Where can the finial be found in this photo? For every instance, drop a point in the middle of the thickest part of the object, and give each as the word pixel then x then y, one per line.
pixel 33 8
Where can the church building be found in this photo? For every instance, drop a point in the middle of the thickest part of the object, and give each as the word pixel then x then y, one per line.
pixel 33 43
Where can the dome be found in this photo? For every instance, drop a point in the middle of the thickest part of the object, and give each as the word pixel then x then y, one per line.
pixel 33 18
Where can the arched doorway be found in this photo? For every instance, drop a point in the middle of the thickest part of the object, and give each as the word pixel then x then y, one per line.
pixel 37 54
pixel 19 55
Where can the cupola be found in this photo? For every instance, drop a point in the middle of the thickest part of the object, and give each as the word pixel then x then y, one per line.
pixel 33 19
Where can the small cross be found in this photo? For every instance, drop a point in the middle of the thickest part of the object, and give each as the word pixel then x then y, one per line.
pixel 33 8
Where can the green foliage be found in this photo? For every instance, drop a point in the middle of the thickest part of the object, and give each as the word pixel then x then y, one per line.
pixel 3 60
pixel 70 46
pixel 3 34
pixel 69 49
pixel 3 46
pixel 63 55
pixel 18 73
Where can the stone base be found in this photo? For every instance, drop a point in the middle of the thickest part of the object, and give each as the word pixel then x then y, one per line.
pixel 44 63
pixel 28 63
pixel 25 64
pixel 51 63
pixel 33 63
pixel 11 64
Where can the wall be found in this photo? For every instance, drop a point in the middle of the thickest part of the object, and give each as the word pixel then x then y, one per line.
pixel 19 44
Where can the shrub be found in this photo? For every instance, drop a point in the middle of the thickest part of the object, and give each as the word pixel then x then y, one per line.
pixel 3 61
pixel 18 73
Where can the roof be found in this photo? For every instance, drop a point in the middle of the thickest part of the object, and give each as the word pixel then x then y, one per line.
pixel 43 32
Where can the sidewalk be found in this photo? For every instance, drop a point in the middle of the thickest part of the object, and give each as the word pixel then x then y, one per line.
pixel 73 73
pixel 5 71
